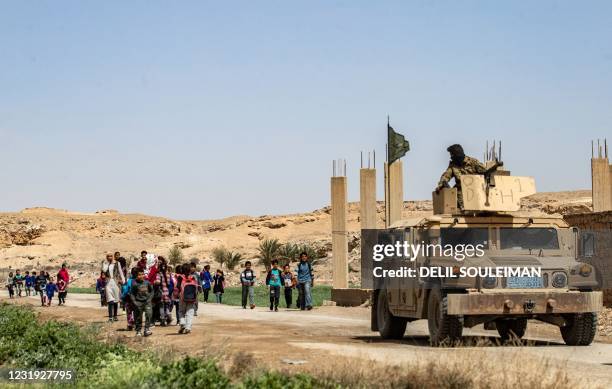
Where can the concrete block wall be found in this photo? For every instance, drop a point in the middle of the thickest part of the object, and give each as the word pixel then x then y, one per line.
pixel 601 224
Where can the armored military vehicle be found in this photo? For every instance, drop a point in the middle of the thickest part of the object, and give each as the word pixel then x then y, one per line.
pixel 562 292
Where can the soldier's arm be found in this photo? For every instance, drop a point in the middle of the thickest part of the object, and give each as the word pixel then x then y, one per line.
pixel 479 167
pixel 446 177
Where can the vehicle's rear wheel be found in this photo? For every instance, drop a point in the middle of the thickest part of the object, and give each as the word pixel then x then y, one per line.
pixel 443 328
pixel 580 329
pixel 389 326
pixel 511 328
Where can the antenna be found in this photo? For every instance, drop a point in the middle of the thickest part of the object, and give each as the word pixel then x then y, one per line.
pixel 598 149
pixel 374 152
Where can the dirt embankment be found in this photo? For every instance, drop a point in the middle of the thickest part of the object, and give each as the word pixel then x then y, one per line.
pixel 44 237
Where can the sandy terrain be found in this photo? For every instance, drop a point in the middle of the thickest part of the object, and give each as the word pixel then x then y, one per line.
pixel 331 335
pixel 44 237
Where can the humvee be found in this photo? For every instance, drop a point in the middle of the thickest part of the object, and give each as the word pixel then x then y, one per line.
pixel 562 294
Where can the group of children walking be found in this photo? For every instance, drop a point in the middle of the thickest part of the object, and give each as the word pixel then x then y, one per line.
pixel 43 284
pixel 155 291
pixel 277 279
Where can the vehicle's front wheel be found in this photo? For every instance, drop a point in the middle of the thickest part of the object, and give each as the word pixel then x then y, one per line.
pixel 443 328
pixel 389 326
pixel 513 328
pixel 580 329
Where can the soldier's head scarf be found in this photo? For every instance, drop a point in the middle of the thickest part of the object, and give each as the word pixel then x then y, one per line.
pixel 456 153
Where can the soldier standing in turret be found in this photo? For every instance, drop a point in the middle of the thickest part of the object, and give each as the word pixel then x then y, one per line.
pixel 459 164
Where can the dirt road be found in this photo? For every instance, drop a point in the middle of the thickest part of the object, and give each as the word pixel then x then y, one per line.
pixel 329 333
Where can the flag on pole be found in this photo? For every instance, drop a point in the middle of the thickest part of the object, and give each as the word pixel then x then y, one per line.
pixel 397 145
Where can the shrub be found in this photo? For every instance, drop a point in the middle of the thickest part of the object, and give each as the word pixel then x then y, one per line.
pixel 268 250
pixel 219 254
pixel 190 373
pixel 175 256
pixel 232 259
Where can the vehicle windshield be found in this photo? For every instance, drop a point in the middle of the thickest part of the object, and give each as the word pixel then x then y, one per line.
pixel 528 238
pixel 457 236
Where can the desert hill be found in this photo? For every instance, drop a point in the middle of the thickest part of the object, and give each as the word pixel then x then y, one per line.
pixel 46 237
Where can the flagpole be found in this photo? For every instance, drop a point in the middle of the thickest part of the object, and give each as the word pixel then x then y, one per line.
pixel 388 204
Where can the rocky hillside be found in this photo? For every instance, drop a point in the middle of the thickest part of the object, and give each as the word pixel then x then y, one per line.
pixel 44 237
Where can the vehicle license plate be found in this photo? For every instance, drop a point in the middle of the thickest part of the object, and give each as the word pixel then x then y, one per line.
pixel 524 282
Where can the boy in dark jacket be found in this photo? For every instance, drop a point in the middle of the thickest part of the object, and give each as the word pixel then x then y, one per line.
pixel 141 294
pixel 50 290
pixel 247 279
pixel 29 283
pixel 40 285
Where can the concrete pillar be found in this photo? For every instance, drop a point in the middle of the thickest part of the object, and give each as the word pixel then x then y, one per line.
pixel 610 185
pixel 367 198
pixel 601 184
pixel 394 194
pixel 339 211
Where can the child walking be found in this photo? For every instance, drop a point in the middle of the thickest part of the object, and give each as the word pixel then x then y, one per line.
pixel 289 282
pixel 18 281
pixel 62 291
pixel 101 288
pixel 188 297
pixel 127 301
pixel 10 285
pixel 50 290
pixel 163 283
pixel 219 286
pixel 29 282
pixel 273 280
pixel 177 279
pixel 40 285
pixel 247 279
pixel 141 294
pixel 207 280
pixel 194 273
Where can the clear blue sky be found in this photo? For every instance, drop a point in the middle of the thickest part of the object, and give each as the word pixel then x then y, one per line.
pixel 201 109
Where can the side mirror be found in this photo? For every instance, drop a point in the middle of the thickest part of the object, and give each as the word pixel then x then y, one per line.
pixel 587 245
pixel 576 233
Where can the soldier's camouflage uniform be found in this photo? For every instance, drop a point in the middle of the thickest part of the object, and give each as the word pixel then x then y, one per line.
pixel 470 166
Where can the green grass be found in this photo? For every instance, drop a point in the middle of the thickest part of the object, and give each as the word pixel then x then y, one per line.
pixel 233 296
pixel 27 343
pixel 58 345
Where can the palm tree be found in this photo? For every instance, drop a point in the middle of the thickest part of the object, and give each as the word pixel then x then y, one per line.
pixel 289 252
pixel 232 259
pixel 310 251
pixel 268 250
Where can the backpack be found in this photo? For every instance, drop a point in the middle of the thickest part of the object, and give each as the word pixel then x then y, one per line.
pixel 189 290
